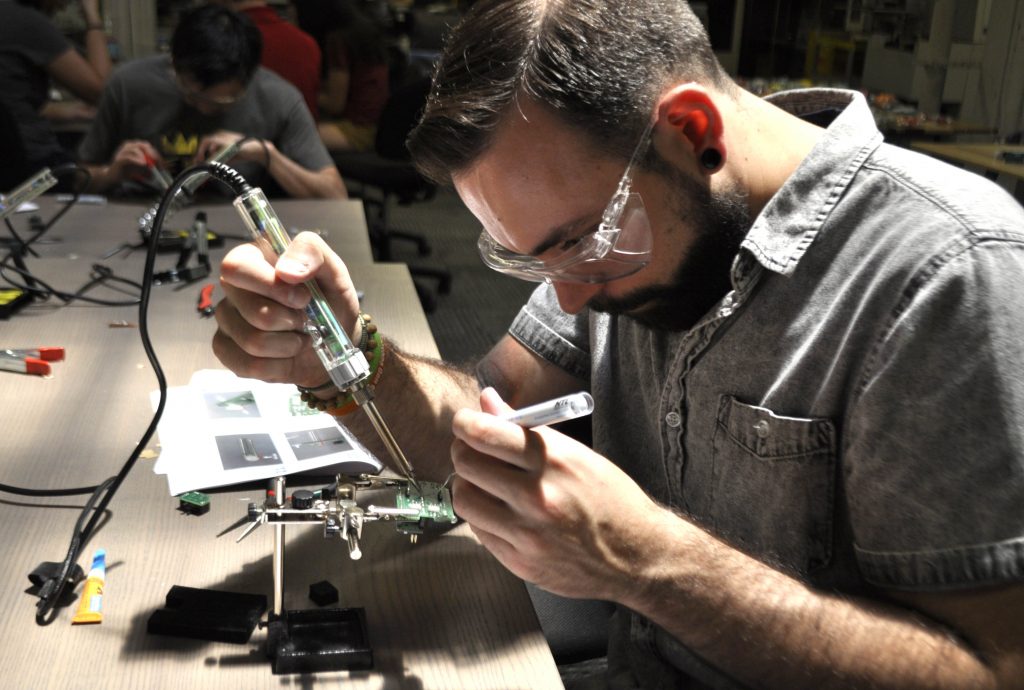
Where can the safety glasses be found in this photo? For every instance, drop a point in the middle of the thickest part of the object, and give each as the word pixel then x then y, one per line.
pixel 196 95
pixel 620 246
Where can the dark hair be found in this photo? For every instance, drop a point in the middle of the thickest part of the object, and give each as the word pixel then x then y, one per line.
pixel 213 44
pixel 362 35
pixel 598 64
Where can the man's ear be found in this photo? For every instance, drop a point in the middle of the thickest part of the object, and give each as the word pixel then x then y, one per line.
pixel 689 109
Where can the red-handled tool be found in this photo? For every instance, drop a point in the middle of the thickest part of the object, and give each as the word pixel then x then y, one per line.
pixel 205 304
pixel 48 354
pixel 15 360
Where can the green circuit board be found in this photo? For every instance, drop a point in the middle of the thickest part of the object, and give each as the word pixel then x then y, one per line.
pixel 433 502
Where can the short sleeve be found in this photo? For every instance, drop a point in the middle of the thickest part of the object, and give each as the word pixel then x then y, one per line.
pixel 560 338
pixel 299 138
pixel 43 42
pixel 934 463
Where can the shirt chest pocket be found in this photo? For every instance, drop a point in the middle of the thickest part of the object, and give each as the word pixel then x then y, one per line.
pixel 773 484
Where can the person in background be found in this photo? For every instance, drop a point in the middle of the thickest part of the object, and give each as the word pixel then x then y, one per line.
pixel 178 110
pixel 287 49
pixel 355 71
pixel 805 348
pixel 33 52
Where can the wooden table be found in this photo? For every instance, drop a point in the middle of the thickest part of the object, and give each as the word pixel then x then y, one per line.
pixel 984 156
pixel 441 614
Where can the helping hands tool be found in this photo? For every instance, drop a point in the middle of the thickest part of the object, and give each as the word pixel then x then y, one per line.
pixel 303 641
pixel 346 364
pixel 29 190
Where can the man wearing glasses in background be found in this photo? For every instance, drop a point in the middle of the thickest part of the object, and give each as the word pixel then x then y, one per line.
pixel 172 112
pixel 805 347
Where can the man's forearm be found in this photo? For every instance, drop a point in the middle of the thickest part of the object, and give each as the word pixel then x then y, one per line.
pixel 301 183
pixel 417 398
pixel 97 53
pixel 101 178
pixel 770 630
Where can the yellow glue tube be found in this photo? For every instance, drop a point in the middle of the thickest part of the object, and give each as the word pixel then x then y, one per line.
pixel 90 606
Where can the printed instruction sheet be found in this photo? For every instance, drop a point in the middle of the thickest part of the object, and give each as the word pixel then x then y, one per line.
pixel 221 430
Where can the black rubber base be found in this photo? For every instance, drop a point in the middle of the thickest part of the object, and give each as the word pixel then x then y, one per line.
pixel 315 640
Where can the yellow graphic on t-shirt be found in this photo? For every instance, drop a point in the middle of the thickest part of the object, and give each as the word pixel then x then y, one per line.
pixel 180 145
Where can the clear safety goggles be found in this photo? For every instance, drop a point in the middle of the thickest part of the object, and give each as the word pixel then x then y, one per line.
pixel 620 246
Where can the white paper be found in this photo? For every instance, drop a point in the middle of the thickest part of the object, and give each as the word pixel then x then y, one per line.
pixel 221 430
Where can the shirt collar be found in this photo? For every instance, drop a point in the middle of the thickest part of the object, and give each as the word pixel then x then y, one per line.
pixel 796 213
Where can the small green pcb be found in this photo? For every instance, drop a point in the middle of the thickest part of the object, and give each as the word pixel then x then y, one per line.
pixel 194 502
pixel 433 503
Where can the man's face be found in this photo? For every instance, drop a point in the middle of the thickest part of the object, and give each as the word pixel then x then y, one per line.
pixel 209 100
pixel 539 180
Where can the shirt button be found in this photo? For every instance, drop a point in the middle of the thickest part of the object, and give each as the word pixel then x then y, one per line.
pixel 673 419
pixel 763 428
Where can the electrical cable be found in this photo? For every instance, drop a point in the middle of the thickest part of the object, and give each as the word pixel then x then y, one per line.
pixel 36 286
pixel 51 591
pixel 105 492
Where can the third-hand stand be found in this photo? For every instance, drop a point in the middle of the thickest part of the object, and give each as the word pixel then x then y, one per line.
pixel 311 640
pixel 197 241
pixel 334 639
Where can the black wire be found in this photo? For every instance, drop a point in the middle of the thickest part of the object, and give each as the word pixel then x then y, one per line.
pixel 45 608
pixel 20 491
pixel 108 489
pixel 41 288
pixel 100 275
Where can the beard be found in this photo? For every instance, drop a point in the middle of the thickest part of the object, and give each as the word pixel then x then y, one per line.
pixel 703 276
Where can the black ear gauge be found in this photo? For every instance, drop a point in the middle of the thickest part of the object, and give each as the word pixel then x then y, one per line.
pixel 711 159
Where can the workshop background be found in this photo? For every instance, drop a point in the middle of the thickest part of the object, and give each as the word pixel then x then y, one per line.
pixel 935 71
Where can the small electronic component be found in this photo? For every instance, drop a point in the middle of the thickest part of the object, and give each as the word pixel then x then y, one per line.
pixel 194 503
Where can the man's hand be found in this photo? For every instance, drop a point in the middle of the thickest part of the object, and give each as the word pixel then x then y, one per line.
pixel 252 150
pixel 133 159
pixel 261 318
pixel 553 511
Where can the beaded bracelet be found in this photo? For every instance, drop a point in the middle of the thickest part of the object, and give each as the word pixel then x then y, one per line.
pixel 344 403
pixel 366 327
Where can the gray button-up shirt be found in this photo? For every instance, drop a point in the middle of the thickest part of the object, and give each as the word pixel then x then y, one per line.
pixel 853 410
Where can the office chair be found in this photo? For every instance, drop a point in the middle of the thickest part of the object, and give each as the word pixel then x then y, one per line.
pixel 16 166
pixel 386 176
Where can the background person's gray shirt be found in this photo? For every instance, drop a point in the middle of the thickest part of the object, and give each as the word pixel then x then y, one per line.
pixel 853 411
pixel 142 101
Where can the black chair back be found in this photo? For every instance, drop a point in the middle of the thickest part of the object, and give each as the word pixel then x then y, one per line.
pixel 399 116
pixel 14 167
